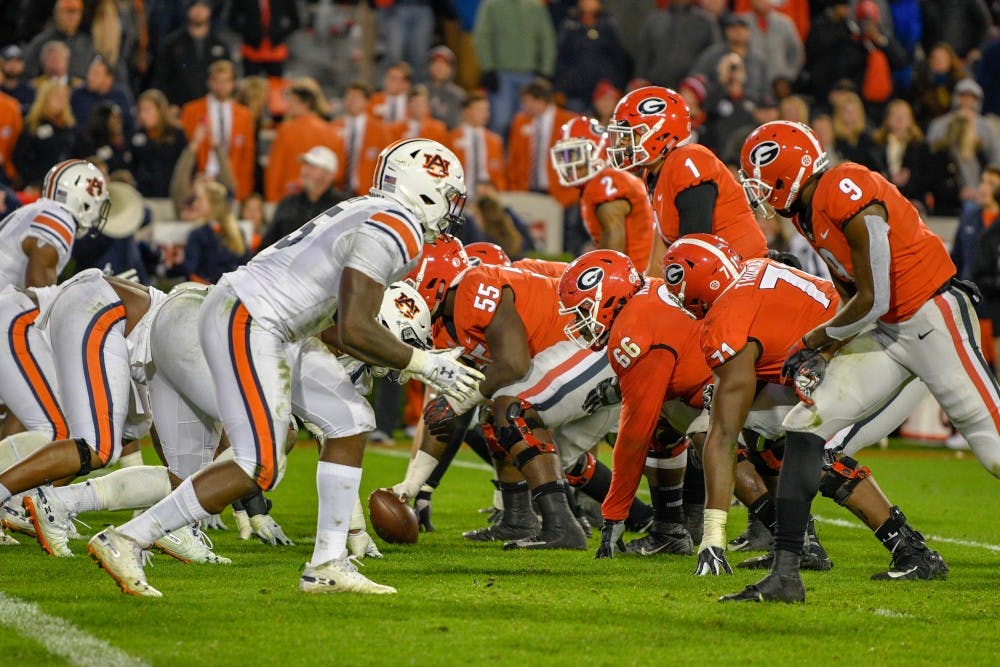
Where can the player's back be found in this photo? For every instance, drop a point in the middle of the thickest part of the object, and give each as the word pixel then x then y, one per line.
pixel 772 304
pixel 543 267
pixel 46 221
pixel 918 264
pixel 612 185
pixel 293 286
pixel 692 165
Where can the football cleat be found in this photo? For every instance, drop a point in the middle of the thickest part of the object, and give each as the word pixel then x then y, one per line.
pixel 123 559
pixel 814 556
pixel 712 561
pixel 914 562
pixel 16 519
pixel 499 532
pixel 361 545
pixel 663 538
pixel 782 584
pixel 756 537
pixel 52 522
pixel 339 575
pixel 190 545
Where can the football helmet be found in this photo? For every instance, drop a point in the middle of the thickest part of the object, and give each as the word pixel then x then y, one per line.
pixel 775 162
pixel 698 268
pixel 442 264
pixel 593 289
pixel 426 178
pixel 490 254
pixel 580 152
pixel 405 314
pixel 78 187
pixel 647 124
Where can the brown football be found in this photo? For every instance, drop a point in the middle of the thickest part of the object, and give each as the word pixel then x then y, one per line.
pixel 393 520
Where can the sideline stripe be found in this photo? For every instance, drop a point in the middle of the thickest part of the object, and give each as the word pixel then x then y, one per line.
pixel 60 637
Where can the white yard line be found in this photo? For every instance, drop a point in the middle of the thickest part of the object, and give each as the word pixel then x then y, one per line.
pixel 400 454
pixel 60 637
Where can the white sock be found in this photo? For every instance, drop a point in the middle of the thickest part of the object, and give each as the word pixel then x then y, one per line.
pixel 131 460
pixel 77 497
pixel 180 508
pixel 338 491
pixel 132 488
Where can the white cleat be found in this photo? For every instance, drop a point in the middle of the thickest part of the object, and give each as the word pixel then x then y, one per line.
pixel 123 559
pixel 16 519
pixel 52 522
pixel 190 545
pixel 339 575
pixel 361 545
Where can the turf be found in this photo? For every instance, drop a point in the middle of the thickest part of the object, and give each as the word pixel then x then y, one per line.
pixel 462 603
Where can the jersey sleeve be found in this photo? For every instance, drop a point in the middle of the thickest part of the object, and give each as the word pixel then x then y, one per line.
pixel 851 187
pixel 53 229
pixel 375 254
pixel 724 335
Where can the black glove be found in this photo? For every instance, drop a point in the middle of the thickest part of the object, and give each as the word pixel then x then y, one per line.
pixel 439 417
pixel 809 376
pixel 797 356
pixel 422 505
pixel 607 392
pixel 490 81
pixel 611 539
pixel 971 290
pixel 707 394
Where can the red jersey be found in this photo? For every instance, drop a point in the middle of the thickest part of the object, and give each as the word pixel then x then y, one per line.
pixel 612 185
pixel 654 348
pixel 772 304
pixel 919 263
pixel 542 267
pixel 692 165
pixel 536 299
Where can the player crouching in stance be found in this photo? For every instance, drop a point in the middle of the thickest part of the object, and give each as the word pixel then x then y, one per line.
pixel 338 263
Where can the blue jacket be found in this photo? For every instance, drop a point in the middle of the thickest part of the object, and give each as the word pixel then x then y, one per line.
pixel 206 258
pixel 963 247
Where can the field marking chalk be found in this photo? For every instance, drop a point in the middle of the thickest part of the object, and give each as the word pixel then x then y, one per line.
pixel 60 637
pixel 842 523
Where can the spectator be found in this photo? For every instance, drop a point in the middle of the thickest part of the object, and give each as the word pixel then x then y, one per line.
pixel 14 83
pixel 588 50
pixel 960 23
pixel 822 125
pixel 445 96
pixel 55 65
pixel 775 36
pixel 796 10
pixel 104 136
pixel 730 113
pixel 935 79
pixel 11 124
pixel 884 56
pixel 216 246
pixel 9 201
pixel 832 53
pixel 115 30
pixel 671 40
pixel 480 150
pixel 389 104
pixel 362 138
pixel 986 257
pixel 100 87
pixel 907 157
pixel 757 82
pixel 253 92
pixel 317 175
pixel 186 175
pixel 794 108
pixel 408 27
pixel 419 122
pixel 182 65
pixel 967 135
pixel 850 129
pixel 988 75
pixel 693 90
pixel 264 27
pixel 973 221
pixel 66 17
pixel 230 124
pixel 489 220
pixel 301 129
pixel 515 42
pixel 49 134
pixel 604 100
pixel 252 209
pixel 156 145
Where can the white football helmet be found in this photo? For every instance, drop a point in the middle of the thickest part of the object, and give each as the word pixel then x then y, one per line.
pixel 426 178
pixel 406 315
pixel 78 186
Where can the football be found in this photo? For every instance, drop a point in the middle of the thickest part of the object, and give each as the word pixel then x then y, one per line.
pixel 393 520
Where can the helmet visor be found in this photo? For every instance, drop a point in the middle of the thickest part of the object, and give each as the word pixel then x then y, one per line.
pixel 573 161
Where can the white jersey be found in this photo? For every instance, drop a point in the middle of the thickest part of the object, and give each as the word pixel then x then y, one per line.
pixel 292 287
pixel 44 220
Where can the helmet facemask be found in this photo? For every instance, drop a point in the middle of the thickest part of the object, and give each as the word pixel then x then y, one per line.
pixel 625 149
pixel 575 161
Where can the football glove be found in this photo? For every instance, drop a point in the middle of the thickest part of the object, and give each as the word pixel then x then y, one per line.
pixel 805 366
pixel 707 394
pixel 607 392
pixel 442 370
pixel 712 561
pixel 243 524
pixel 422 505
pixel 361 545
pixel 611 539
pixel 213 522
pixel 268 531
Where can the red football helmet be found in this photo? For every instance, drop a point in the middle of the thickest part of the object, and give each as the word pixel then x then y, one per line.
pixel 441 266
pixel 490 254
pixel 581 151
pixel 647 124
pixel 593 289
pixel 776 161
pixel 698 268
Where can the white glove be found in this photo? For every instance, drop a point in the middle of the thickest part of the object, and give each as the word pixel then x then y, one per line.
pixel 442 370
pixel 461 406
pixel 420 468
pixel 361 545
pixel 243 524
pixel 213 522
pixel 268 531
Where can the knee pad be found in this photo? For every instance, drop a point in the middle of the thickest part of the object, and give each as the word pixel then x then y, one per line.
pixel 497 452
pixel 840 477
pixel 667 443
pixel 85 452
pixel 582 470
pixel 518 428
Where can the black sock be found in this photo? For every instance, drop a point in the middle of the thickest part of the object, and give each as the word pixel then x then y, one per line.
pixel 797 486
pixel 599 484
pixel 891 532
pixel 764 511
pixel 668 503
pixel 694 484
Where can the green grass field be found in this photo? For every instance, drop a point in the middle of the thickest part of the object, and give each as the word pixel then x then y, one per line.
pixel 465 603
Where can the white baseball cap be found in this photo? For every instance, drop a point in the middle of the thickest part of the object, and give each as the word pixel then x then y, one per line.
pixel 321 157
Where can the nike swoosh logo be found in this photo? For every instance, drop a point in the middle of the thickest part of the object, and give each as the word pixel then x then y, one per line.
pixel 925 335
pixel 824 234
pixel 900 575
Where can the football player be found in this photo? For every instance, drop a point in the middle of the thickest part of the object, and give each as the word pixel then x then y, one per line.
pixel 754 312
pixel 613 204
pixel 907 316
pixel 691 190
pixel 339 262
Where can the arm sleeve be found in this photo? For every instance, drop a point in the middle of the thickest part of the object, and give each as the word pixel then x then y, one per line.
pixel 371 255
pixel 878 255
pixel 696 208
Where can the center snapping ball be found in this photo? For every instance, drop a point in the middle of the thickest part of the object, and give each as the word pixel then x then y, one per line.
pixel 393 520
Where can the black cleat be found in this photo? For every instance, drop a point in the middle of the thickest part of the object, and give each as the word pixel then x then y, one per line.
pixel 914 562
pixel 813 558
pixel 756 537
pixel 782 584
pixel 663 538
pixel 499 532
pixel 560 529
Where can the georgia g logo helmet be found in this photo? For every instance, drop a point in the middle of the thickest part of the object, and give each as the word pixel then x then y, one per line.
pixel 590 278
pixel 764 153
pixel 651 105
